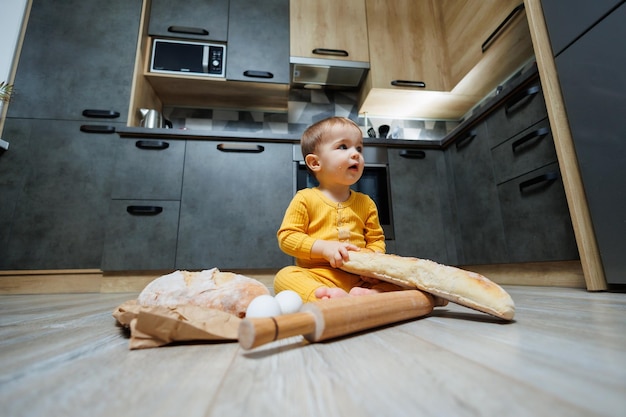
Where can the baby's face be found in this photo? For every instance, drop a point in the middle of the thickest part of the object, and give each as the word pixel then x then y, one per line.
pixel 341 156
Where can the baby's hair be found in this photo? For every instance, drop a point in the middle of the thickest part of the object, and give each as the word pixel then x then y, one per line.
pixel 313 135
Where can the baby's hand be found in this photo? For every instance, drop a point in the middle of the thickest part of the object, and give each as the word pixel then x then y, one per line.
pixel 336 253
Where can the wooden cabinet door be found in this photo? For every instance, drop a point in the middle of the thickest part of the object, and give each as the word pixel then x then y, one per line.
pixel 258 41
pixel 233 202
pixel 77 55
pixel 406 44
pixel 321 28
pixel 420 203
pixel 190 19
pixel 468 24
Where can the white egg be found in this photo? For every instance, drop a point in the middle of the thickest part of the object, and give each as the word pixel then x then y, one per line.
pixel 289 301
pixel 263 306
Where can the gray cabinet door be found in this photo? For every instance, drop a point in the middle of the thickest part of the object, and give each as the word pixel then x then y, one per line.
pixel 593 82
pixel 536 220
pixel 566 21
pixel 149 169
pixel 60 180
pixel 77 55
pixel 258 41
pixel 419 200
pixel 233 202
pixel 516 113
pixel 189 19
pixel 481 236
pixel 141 235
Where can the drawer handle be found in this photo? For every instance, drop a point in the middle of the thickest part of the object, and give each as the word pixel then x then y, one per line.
pixel 529 92
pixel 465 140
pixel 326 51
pixel 188 30
pixel 537 134
pixel 502 25
pixel 144 210
pixel 258 74
pixel 241 148
pixel 408 83
pixel 545 180
pixel 97 129
pixel 152 145
pixel 101 114
pixel 412 154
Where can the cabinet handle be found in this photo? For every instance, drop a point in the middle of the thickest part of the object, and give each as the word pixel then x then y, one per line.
pixel 537 134
pixel 188 30
pixel 529 92
pixel 544 179
pixel 258 74
pixel 412 154
pixel 101 114
pixel 407 83
pixel 241 148
pixel 465 140
pixel 498 30
pixel 152 145
pixel 144 210
pixel 333 52
pixel 97 129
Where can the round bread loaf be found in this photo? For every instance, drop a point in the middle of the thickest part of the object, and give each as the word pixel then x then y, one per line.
pixel 211 288
pixel 454 284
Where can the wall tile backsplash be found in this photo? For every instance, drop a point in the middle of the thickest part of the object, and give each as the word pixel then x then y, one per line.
pixel 304 108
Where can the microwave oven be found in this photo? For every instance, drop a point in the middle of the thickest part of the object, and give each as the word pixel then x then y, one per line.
pixel 193 58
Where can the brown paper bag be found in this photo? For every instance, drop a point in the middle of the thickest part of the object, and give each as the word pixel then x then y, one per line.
pixel 153 326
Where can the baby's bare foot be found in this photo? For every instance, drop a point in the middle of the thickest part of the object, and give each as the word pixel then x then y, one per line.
pixel 361 291
pixel 324 293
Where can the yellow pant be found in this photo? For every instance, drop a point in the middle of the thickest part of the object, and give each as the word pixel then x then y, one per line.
pixel 305 281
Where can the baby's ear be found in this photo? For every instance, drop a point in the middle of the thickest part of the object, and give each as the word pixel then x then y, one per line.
pixel 312 161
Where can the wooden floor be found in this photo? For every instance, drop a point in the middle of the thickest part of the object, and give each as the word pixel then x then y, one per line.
pixel 565 355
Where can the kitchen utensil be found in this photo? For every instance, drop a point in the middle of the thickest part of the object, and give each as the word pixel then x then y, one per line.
pixel 336 317
pixel 383 130
pixel 153 119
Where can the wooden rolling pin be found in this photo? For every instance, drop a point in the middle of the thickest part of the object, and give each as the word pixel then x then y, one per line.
pixel 336 317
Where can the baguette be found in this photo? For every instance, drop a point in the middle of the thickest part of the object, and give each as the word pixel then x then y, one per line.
pixel 453 284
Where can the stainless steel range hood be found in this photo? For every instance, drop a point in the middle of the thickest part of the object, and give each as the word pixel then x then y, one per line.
pixel 327 73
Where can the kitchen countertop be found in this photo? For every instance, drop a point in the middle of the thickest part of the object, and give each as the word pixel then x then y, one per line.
pixel 511 86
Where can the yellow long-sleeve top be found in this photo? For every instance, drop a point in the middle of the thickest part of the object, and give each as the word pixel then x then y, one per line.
pixel 312 216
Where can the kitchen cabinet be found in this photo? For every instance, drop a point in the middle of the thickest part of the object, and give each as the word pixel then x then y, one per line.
pixel 329 29
pixel 142 221
pixel 191 19
pixel 57 177
pixel 432 52
pixel 72 87
pixel 536 219
pixel 141 235
pixel 76 55
pixel 480 236
pixel 406 45
pixel 537 226
pixel 233 200
pixel 564 26
pixel 258 41
pixel 420 204
pixel 592 82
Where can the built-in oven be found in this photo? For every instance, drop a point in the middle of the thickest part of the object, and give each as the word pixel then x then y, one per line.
pixel 374 182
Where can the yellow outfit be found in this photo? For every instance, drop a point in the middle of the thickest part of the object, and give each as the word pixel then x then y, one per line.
pixel 312 216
